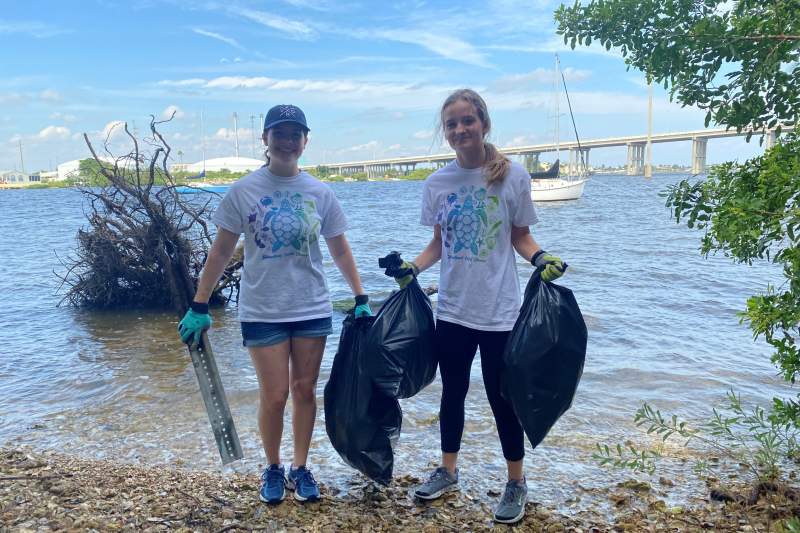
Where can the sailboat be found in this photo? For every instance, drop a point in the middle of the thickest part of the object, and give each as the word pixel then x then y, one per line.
pixel 549 185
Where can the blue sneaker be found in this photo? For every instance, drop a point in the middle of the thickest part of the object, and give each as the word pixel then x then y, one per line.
pixel 302 482
pixel 272 485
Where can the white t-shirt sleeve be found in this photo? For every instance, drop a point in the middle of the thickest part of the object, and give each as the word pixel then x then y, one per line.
pixel 228 216
pixel 523 213
pixel 334 222
pixel 428 216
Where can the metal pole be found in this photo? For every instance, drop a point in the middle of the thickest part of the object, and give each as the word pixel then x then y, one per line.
pixel 203 141
pixel 648 167
pixel 253 133
pixel 21 161
pixel 236 132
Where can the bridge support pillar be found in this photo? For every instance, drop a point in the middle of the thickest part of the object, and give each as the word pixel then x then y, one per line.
pixel 770 139
pixel 635 159
pixel 699 155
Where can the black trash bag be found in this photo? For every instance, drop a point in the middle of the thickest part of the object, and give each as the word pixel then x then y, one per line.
pixel 402 360
pixel 362 423
pixel 543 357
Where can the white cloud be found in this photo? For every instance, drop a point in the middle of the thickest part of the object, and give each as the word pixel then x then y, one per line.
pixel 520 140
pixel 167 113
pixel 218 37
pixel 50 95
pixel 113 129
pixel 394 147
pixel 538 77
pixel 54 132
pixel 8 98
pixel 445 46
pixel 58 115
pixel 423 134
pixel 229 133
pixel 40 30
pixel 183 83
pixel 310 4
pixel 371 145
pixel 552 45
pixel 291 28
pixel 353 89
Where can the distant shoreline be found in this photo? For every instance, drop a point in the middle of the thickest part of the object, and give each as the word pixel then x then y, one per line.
pixel 344 179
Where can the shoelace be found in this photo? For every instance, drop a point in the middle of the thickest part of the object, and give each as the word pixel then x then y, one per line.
pixel 273 475
pixel 306 476
pixel 437 474
pixel 510 494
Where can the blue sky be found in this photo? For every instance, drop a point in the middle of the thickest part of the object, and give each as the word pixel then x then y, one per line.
pixel 370 77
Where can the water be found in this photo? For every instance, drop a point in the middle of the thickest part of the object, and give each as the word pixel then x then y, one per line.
pixel 662 328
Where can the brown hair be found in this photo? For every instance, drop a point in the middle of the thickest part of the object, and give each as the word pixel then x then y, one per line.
pixel 497 165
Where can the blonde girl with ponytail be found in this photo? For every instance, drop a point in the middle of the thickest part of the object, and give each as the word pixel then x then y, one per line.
pixel 479 206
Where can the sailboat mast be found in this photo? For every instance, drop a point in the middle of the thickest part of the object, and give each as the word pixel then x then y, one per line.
pixel 557 97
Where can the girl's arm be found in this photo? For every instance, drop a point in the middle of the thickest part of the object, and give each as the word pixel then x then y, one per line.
pixel 432 253
pixel 221 252
pixel 343 257
pixel 523 242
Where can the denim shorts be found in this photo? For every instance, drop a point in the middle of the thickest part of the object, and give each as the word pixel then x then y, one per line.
pixel 269 333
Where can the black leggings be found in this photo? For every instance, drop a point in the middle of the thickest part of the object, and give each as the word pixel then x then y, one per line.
pixel 456 346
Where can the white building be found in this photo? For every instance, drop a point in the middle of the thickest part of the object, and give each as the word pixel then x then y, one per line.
pixel 15 178
pixel 70 169
pixel 232 164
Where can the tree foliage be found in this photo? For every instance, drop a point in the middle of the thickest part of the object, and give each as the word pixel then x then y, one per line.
pixel 736 60
pixel 740 61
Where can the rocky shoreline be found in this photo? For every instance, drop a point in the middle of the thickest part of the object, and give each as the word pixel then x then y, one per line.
pixel 46 491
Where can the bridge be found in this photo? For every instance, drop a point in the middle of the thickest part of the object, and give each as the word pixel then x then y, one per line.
pixel 635 164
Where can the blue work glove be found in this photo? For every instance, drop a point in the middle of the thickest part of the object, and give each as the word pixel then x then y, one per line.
pixel 552 267
pixel 408 272
pixel 195 321
pixel 362 307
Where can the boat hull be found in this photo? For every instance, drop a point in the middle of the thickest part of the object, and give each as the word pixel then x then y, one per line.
pixel 555 190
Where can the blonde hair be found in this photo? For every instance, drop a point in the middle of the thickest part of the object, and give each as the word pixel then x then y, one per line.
pixel 497 165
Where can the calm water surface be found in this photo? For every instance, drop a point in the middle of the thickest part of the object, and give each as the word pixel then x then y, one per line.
pixel 662 328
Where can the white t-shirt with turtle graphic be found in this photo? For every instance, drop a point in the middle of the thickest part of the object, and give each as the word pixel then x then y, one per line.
pixel 478 284
pixel 282 219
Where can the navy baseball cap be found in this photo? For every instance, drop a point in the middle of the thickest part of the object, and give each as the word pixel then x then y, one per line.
pixel 285 113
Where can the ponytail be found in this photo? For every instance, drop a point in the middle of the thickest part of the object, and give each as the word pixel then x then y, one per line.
pixel 496 166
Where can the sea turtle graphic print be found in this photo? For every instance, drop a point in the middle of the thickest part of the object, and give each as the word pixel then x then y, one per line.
pixel 470 223
pixel 284 224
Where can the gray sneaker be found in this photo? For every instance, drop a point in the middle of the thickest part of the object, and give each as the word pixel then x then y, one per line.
pixel 441 481
pixel 511 508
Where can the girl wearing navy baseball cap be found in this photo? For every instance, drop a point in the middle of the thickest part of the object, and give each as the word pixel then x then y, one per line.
pixel 284 306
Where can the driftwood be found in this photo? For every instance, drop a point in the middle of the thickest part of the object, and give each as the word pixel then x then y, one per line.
pixel 145 243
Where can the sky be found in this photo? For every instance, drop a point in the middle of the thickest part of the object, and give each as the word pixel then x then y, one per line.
pixel 370 76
